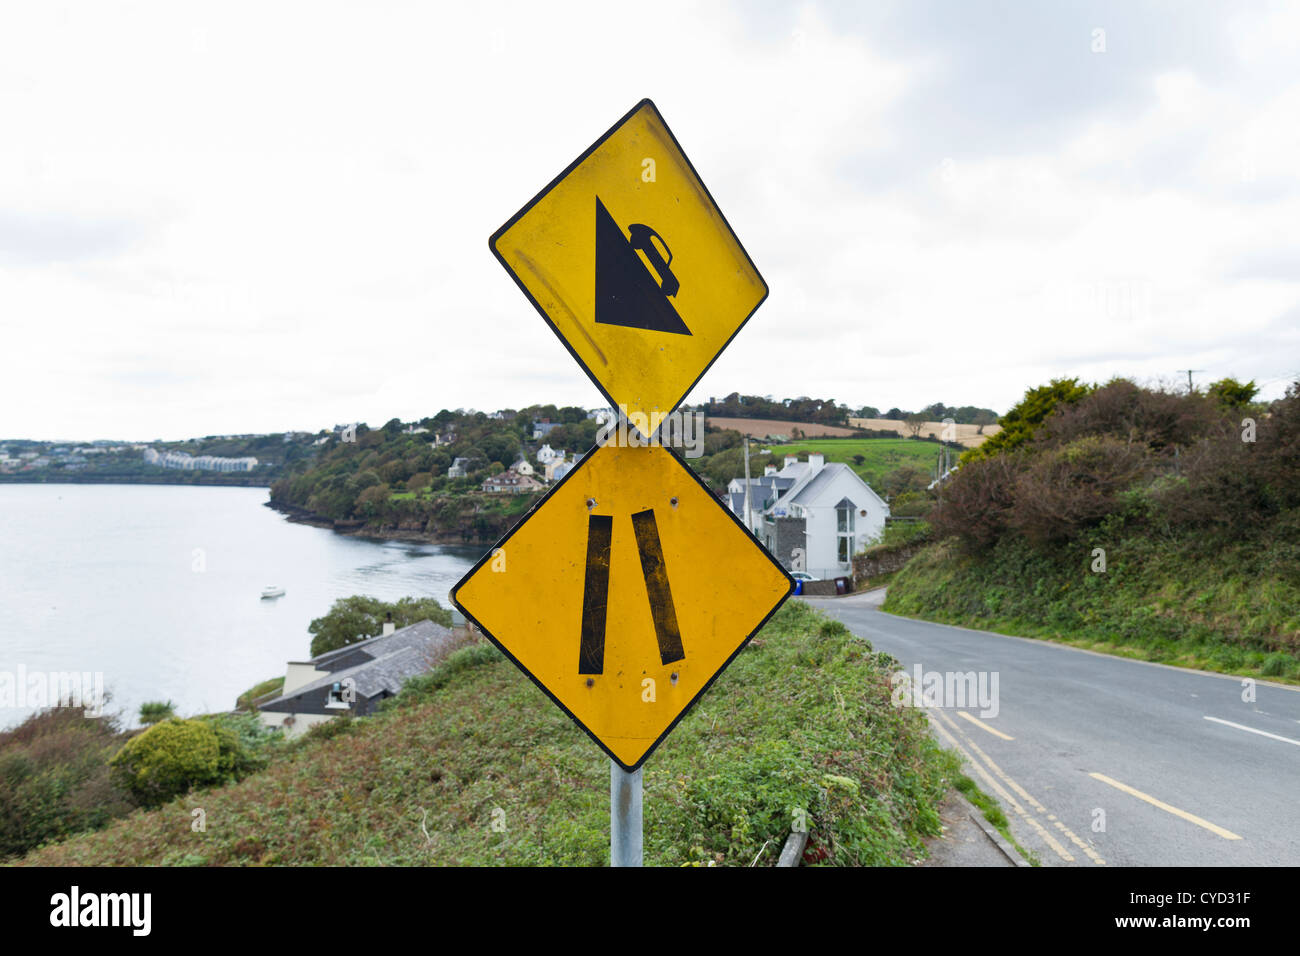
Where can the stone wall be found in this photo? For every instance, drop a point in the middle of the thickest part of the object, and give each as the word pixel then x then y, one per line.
pixel 875 562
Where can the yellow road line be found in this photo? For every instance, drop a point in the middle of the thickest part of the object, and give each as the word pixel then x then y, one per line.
pixel 1011 801
pixel 1025 795
pixel 1183 814
pixel 983 726
pixel 1082 845
pixel 1006 777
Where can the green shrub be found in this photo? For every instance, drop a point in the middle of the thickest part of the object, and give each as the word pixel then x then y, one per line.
pixel 833 628
pixel 170 758
pixel 243 742
pixel 329 729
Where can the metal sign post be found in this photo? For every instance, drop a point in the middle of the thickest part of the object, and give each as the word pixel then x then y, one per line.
pixel 624 816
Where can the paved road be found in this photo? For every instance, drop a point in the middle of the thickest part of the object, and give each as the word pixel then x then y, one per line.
pixel 1174 764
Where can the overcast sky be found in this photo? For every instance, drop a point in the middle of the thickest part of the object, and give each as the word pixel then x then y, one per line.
pixel 258 217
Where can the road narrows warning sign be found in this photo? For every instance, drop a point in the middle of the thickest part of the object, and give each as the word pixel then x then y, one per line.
pixel 632 264
pixel 629 575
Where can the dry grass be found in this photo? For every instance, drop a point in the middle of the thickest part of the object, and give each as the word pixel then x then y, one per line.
pixel 967 435
pixel 763 427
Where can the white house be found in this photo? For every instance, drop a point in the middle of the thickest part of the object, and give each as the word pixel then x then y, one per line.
pixel 811 513
pixel 458 468
pixel 546 454
pixel 764 490
pixel 522 466
pixel 557 468
pixel 511 481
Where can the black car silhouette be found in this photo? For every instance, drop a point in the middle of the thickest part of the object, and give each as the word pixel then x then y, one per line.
pixel 641 236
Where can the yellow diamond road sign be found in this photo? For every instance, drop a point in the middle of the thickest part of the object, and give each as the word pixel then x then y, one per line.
pixel 630 261
pixel 623 594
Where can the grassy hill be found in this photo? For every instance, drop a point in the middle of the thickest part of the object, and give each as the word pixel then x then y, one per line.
pixel 1235 611
pixel 1155 524
pixel 880 455
pixel 801 720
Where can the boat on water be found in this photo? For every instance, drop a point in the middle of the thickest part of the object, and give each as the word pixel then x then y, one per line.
pixel 274 591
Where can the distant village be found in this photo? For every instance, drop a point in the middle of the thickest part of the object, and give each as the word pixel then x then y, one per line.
pixel 521 477
pixel 71 457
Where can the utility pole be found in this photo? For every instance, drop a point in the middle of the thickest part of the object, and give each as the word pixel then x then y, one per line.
pixel 1189 372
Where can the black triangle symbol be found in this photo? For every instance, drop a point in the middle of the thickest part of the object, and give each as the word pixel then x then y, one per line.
pixel 626 291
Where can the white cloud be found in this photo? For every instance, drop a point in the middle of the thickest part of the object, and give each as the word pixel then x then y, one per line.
pixel 276 217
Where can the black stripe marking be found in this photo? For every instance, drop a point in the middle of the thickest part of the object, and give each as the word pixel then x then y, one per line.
pixel 595 595
pixel 656 583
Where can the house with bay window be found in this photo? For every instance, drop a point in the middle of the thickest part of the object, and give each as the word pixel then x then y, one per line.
pixel 811 513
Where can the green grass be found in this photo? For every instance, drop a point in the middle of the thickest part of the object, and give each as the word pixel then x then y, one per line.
pixel 510 505
pixel 801 722
pixel 880 455
pixel 1228 610
pixel 494 503
pixel 258 690
pixel 992 812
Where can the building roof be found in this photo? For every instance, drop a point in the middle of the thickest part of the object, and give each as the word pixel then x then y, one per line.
pixel 761 489
pixel 808 491
pixel 376 664
pixel 512 479
pixel 814 486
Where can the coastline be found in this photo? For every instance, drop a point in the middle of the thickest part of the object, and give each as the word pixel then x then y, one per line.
pixel 225 481
pixel 358 529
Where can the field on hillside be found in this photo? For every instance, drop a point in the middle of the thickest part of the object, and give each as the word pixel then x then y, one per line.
pixel 476 766
pixel 762 427
pixel 968 435
pixel 879 455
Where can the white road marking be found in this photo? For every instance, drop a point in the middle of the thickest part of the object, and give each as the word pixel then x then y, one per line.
pixel 1252 730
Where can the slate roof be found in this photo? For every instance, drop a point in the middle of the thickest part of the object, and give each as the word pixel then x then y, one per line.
pixel 376 664
pixel 806 494
pixel 761 489
pixel 824 477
